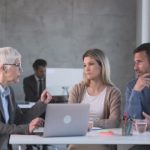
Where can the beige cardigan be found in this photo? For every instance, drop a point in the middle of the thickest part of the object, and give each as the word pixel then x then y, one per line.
pixel 112 105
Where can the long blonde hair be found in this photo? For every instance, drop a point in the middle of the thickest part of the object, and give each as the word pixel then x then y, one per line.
pixel 103 61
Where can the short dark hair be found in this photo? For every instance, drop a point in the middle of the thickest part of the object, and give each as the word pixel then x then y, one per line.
pixel 39 62
pixel 143 47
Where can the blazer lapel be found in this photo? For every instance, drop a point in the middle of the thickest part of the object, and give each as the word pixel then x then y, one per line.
pixel 34 85
pixel 1 109
pixel 11 109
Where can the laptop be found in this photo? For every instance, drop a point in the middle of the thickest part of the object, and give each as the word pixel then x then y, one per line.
pixel 66 120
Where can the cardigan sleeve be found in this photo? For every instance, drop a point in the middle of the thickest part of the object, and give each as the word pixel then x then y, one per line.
pixel 112 110
pixel 76 93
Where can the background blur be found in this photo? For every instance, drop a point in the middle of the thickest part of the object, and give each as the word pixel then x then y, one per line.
pixel 60 31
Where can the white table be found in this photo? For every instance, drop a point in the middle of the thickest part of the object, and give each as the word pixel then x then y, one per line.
pixel 91 138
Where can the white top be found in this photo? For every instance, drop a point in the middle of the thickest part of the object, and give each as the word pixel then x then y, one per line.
pixel 96 104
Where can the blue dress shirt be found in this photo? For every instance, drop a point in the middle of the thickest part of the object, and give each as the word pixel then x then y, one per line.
pixel 137 101
pixel 4 92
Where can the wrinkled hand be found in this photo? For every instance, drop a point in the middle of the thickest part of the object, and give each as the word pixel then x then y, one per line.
pixel 35 123
pixel 147 117
pixel 46 97
pixel 142 82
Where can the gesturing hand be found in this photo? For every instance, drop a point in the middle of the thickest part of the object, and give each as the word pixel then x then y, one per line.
pixel 46 97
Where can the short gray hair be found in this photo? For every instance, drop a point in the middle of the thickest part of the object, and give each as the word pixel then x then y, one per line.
pixel 9 55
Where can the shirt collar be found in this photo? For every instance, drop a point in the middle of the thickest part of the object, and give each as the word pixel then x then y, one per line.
pixel 5 91
pixel 37 78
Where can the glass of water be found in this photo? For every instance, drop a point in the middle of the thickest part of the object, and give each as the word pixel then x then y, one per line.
pixel 90 123
pixel 140 125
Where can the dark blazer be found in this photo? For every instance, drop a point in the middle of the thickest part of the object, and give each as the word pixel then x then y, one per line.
pixel 30 88
pixel 18 121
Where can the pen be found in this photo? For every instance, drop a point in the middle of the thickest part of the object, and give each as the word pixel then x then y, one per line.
pixel 125 118
pixel 124 128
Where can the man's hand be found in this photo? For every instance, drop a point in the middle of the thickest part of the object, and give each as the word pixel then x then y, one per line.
pixel 35 123
pixel 46 97
pixel 147 117
pixel 142 82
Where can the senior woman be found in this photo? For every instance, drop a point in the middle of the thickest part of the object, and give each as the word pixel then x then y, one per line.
pixel 12 119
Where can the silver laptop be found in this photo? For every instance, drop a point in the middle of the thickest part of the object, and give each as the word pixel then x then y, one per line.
pixel 66 120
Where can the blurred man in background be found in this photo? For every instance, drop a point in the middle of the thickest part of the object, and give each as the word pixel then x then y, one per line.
pixel 35 84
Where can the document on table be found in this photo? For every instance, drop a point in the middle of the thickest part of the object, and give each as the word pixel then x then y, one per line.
pixel 100 132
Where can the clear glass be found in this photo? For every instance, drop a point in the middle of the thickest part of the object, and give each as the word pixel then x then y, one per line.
pixel 90 123
pixel 140 126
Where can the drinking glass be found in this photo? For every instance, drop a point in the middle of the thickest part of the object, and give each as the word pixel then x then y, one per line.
pixel 140 125
pixel 90 123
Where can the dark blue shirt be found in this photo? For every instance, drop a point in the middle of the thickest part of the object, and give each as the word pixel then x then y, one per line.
pixel 137 101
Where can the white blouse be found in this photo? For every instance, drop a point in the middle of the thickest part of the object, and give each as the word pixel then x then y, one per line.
pixel 96 104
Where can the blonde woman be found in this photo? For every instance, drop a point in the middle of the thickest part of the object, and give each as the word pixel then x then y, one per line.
pixel 97 90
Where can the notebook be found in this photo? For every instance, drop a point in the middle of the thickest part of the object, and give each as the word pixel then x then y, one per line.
pixel 66 120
